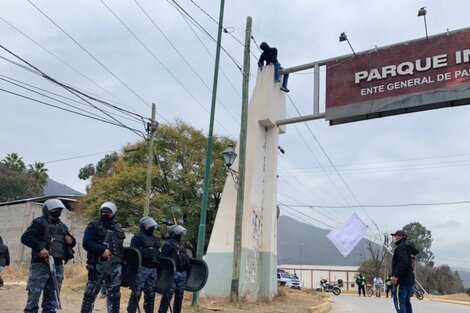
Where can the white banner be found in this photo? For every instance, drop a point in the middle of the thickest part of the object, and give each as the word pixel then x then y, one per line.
pixel 348 235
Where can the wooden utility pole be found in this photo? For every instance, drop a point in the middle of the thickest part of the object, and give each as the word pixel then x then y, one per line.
pixel 151 129
pixel 237 240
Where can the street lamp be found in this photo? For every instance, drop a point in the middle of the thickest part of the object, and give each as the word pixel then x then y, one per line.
pixel 344 37
pixel 300 245
pixel 422 12
pixel 229 158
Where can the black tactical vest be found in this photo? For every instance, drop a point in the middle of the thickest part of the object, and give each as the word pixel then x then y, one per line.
pixel 149 250
pixel 179 254
pixel 115 242
pixel 54 236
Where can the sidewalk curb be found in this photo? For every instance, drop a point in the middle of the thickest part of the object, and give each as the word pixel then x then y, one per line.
pixel 320 308
pixel 451 301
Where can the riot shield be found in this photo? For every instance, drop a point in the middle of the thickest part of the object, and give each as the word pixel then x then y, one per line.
pixel 197 276
pixel 130 266
pixel 165 274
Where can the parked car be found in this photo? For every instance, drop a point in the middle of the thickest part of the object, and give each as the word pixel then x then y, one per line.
pixel 289 280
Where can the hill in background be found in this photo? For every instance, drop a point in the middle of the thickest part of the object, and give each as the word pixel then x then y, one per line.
pixel 317 249
pixel 55 188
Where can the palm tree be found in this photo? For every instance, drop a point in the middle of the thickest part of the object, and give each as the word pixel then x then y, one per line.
pixel 14 161
pixel 39 175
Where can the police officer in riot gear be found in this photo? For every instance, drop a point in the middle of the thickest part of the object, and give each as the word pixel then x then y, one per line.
pixel 4 258
pixel 103 240
pixel 149 247
pixel 174 249
pixel 47 235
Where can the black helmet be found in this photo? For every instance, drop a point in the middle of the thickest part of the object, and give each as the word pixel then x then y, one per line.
pixel 51 204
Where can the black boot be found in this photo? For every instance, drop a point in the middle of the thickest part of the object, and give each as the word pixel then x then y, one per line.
pixel 166 296
pixel 87 303
pixel 149 302
pixel 133 301
pixel 178 301
pixel 113 302
pixel 1 281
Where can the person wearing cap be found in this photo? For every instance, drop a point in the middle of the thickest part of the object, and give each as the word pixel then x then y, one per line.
pixel 149 247
pixel 269 55
pixel 4 258
pixel 174 249
pixel 103 240
pixel 47 235
pixel 403 277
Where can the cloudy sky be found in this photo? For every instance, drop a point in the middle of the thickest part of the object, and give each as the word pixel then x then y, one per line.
pixel 420 158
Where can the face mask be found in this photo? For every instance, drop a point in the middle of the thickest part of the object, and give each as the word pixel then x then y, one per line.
pixel 55 214
pixel 106 217
pixel 149 231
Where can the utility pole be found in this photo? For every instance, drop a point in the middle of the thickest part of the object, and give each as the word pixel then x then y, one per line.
pixel 237 240
pixel 151 129
pixel 201 236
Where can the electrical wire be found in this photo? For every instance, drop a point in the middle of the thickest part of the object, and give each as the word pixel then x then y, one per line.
pixel 384 205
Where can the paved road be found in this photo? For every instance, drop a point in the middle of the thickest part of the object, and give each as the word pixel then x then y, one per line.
pixel 355 304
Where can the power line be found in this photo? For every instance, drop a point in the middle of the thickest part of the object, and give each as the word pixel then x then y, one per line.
pixel 80 156
pixel 65 63
pixel 94 58
pixel 383 205
pixel 185 60
pixel 72 90
pixel 158 60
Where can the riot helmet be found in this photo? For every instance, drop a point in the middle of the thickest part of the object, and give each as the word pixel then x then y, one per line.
pixel 109 206
pixel 147 224
pixel 176 230
pixel 50 205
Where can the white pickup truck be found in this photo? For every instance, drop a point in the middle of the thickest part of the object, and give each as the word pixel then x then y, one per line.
pixel 288 280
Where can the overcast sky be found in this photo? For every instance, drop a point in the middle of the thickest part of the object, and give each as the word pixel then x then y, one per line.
pixel 408 159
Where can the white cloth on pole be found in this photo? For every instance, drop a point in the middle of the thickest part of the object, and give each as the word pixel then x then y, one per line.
pixel 348 235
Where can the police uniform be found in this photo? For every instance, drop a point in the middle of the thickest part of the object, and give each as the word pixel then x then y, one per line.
pixel 100 235
pixel 4 258
pixel 46 232
pixel 174 249
pixel 149 248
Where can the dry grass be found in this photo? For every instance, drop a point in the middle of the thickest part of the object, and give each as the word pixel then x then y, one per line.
pixel 458 297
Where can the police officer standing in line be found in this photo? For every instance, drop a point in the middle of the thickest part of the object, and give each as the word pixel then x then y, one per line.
pixel 149 247
pixel 174 249
pixel 361 284
pixel 103 240
pixel 4 258
pixel 47 235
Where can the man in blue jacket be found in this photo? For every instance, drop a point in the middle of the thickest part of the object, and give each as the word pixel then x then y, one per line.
pixel 103 240
pixel 403 277
pixel 47 235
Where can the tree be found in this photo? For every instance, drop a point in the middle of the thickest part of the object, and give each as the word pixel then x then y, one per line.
pixel 422 240
pixel 15 162
pixel 38 173
pixel 86 172
pixel 14 184
pixel 379 259
pixel 177 180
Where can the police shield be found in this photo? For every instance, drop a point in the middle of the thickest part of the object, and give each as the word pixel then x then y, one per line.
pixel 130 266
pixel 165 274
pixel 197 276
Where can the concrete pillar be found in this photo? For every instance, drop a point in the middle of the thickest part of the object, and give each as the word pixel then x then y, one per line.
pixel 259 235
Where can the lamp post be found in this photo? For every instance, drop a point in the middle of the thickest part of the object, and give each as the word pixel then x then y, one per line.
pixel 422 12
pixel 300 248
pixel 344 37
pixel 229 157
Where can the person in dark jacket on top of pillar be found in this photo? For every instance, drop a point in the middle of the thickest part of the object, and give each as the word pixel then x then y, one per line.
pixel 149 247
pixel 4 258
pixel 403 277
pixel 269 55
pixel 47 235
pixel 103 240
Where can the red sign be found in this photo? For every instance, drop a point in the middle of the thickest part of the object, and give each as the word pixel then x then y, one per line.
pixel 411 76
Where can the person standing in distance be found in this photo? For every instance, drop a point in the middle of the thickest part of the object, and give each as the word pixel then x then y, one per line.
pixel 4 258
pixel 174 249
pixel 361 284
pixel 388 285
pixel 103 240
pixel 403 277
pixel 47 235
pixel 149 247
